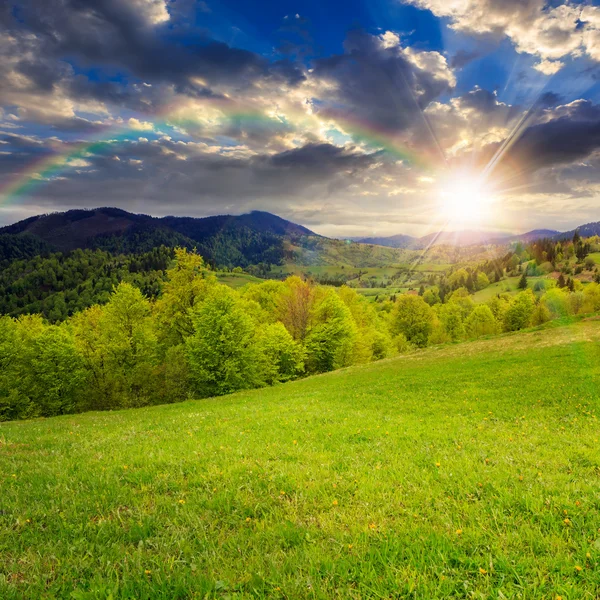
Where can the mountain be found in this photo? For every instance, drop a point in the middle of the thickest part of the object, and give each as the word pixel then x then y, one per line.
pixel 587 230
pixel 532 236
pixel 394 241
pixel 459 238
pixel 225 240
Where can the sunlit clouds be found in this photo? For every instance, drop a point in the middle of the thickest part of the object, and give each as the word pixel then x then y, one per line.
pixel 157 106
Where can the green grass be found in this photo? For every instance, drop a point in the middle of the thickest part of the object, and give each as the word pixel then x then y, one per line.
pixel 237 280
pixel 596 257
pixel 467 471
pixel 510 286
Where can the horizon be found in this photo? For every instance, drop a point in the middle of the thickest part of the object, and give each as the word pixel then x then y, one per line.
pixel 492 232
pixel 396 116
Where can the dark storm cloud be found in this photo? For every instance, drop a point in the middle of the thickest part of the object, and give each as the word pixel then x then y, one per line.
pixel 112 32
pixel 380 83
pixel 561 136
pixel 167 175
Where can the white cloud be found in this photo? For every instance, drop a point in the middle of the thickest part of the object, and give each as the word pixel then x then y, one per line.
pixel 153 11
pixel 552 33
pixel 138 125
pixel 549 67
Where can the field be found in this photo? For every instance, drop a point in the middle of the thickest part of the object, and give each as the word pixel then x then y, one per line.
pixel 465 471
pixel 237 280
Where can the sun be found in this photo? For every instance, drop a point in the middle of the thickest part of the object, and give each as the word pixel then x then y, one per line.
pixel 466 200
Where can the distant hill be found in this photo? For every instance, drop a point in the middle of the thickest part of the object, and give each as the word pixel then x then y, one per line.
pixel 587 230
pixel 225 240
pixel 394 241
pixel 457 238
pixel 532 236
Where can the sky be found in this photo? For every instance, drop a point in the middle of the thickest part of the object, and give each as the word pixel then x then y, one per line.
pixel 353 117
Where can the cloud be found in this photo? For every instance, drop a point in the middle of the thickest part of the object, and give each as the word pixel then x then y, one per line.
pixel 557 138
pixel 133 34
pixel 380 82
pixel 138 125
pixel 549 30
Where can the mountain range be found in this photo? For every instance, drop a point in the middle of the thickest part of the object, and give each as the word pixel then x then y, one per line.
pixel 225 240
pixel 459 238
pixel 242 240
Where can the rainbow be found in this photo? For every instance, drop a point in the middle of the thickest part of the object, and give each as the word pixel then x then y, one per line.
pixel 60 159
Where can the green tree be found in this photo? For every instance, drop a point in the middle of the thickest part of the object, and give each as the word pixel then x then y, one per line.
pixel 414 318
pixel 282 358
pixel 432 296
pixel 331 335
pixel 520 312
pixel 188 283
pixel 523 281
pixel 481 322
pixel 223 353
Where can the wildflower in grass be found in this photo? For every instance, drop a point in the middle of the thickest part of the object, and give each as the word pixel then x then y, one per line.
pixel 437 464
pixel 148 571
pixel 567 522
pixel 578 568
pixel 349 546
pixel 248 519
pixel 588 555
pixel 335 502
pixel 282 493
pixel 295 442
pixel 372 526
pixel 181 501
pixel 482 571
pixel 459 532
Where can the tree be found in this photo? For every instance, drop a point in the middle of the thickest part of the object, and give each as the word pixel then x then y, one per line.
pixel 561 281
pixel 118 344
pixel 523 281
pixel 482 281
pixel 432 296
pixel 282 358
pixel 332 334
pixel 519 313
pixel 188 283
pixel 294 307
pixel 223 353
pixel 481 322
pixel 413 317
pixel 556 300
pixel 451 318
pixel 373 341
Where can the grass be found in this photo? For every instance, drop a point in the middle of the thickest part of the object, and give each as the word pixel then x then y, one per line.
pixel 510 285
pixel 467 471
pixel 237 280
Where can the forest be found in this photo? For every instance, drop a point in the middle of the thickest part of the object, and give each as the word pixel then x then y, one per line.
pixel 190 335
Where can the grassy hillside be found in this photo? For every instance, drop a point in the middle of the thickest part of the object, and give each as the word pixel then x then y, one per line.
pixel 469 471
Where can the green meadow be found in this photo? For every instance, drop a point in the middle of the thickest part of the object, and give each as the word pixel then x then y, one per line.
pixel 463 471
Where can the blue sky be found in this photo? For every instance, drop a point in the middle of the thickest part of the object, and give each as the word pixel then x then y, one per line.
pixel 352 118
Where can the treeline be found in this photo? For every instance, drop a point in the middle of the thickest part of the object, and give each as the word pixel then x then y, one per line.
pixel 459 318
pixel 201 338
pixel 58 285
